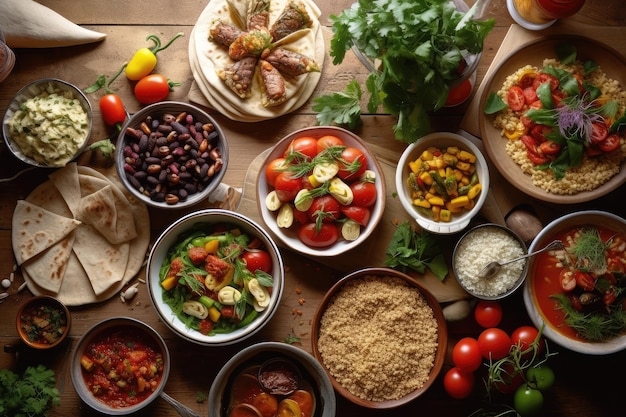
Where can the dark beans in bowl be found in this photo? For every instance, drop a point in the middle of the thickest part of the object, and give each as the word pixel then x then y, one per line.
pixel 171 154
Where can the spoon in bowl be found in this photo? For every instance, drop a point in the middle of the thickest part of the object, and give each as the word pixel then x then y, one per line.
pixel 492 268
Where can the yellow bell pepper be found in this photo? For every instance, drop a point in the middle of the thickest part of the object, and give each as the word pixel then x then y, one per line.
pixel 144 60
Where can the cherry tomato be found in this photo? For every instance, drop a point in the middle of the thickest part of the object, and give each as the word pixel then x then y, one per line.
pixel 549 147
pixel 584 281
pixel 515 98
pixel 152 88
pixel 539 132
pixel 610 144
pixel 466 355
pixel 599 132
pixel 258 259
pixel 530 95
pixel 273 169
pixel 510 379
pixel 361 215
pixel 543 77
pixel 287 186
pixel 458 384
pixel 527 401
pixel 327 141
pixel 526 80
pixel 112 109
pixel 536 158
pixel 304 145
pixel 325 236
pixel 325 206
pixel 352 164
pixel 530 142
pixel 488 313
pixel 524 336
pixel 541 377
pixel 301 217
pixel 459 94
pixel 494 343
pixel 364 193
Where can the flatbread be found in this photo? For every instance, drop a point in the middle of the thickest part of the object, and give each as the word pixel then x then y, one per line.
pixel 207 58
pixel 36 229
pixel 65 181
pixel 50 266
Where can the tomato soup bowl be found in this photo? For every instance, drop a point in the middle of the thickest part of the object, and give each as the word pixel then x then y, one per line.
pixel 423 215
pixel 535 300
pixel 170 237
pixel 354 347
pixel 131 332
pixel 43 322
pixel 289 237
pixel 313 378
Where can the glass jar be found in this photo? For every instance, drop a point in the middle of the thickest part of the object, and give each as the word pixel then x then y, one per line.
pixel 7 58
pixel 544 11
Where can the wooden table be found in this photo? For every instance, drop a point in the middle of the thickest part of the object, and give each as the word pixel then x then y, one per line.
pixel 584 384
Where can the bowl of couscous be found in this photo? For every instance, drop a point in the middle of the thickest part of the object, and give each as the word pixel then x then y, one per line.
pixel 381 337
pixel 442 181
pixel 555 143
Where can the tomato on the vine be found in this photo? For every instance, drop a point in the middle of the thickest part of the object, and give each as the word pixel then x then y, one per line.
pixel 112 109
pixel 509 380
pixel 326 235
pixel 494 343
pixel 527 401
pixel 541 377
pixel 304 145
pixel 488 313
pixel 458 384
pixel 352 164
pixel 364 193
pixel 466 354
pixel 258 259
pixel 524 336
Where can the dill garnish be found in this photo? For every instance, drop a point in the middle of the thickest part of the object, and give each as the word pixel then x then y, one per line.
pixel 589 251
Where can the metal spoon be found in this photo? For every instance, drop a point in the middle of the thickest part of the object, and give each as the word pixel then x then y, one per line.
pixel 492 268
pixel 182 409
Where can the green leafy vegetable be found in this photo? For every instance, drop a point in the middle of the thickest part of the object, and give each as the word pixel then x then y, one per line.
pixel 409 249
pixel 593 326
pixel 105 146
pixel 343 108
pixel 30 394
pixel 420 44
pixel 494 104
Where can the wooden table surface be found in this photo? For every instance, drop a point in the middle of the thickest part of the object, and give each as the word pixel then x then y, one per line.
pixel 584 384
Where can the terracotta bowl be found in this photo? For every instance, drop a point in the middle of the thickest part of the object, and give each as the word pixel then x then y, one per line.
pixel 53 313
pixel 441 335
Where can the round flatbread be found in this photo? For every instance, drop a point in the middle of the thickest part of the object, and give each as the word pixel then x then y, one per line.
pixel 208 58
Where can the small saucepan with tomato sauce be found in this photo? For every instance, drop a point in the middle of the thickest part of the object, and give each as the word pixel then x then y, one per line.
pixel 43 322
pixel 120 366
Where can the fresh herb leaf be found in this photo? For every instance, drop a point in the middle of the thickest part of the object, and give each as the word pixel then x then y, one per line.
pixel 409 249
pixel 292 338
pixel 566 53
pixel 494 104
pixel 201 397
pixel 593 326
pixel 30 394
pixel 343 108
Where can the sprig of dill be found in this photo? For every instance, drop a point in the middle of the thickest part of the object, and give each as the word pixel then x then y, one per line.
pixel 593 326
pixel 589 251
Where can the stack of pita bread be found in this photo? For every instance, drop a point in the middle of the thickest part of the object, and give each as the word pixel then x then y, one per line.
pixel 207 58
pixel 80 236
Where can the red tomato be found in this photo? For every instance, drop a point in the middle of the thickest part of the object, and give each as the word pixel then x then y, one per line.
pixel 273 169
pixel 524 336
pixel 488 313
pixel 542 77
pixel 328 141
pixel 458 384
pixel 530 142
pixel 459 94
pixel 599 132
pixel 494 343
pixel 301 217
pixel 526 80
pixel 550 147
pixel 305 145
pixel 152 88
pixel 511 379
pixel 364 193
pixel 584 281
pixel 112 109
pixel 536 158
pixel 610 144
pixel 287 186
pixel 515 98
pixel 352 164
pixel 466 354
pixel 530 95
pixel 361 215
pixel 258 259
pixel 325 236
pixel 325 206
pixel 539 132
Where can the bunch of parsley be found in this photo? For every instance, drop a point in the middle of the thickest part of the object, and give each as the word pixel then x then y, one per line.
pixel 420 44
pixel 30 394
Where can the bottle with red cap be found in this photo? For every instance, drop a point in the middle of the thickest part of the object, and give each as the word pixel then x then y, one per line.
pixel 544 11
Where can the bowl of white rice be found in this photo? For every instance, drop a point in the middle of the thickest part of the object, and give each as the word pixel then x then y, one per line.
pixel 478 247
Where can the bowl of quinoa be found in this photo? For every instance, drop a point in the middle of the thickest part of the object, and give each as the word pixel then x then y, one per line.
pixel 601 76
pixel 478 247
pixel 380 336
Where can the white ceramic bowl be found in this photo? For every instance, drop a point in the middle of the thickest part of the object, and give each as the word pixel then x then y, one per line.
pixel 108 326
pixel 35 89
pixel 537 314
pixel 171 236
pixel 289 237
pixel 440 140
pixel 256 354
pixel 203 183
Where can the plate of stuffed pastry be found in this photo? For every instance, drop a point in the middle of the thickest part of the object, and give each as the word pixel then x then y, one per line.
pixel 256 60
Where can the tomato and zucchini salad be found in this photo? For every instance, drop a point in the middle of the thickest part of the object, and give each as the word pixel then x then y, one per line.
pixel 580 290
pixel 443 182
pixel 216 278
pixel 43 323
pixel 122 367
pixel 322 189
